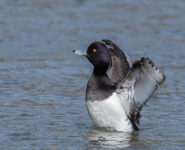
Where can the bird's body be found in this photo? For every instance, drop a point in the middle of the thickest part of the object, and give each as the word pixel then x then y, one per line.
pixel 115 102
pixel 110 114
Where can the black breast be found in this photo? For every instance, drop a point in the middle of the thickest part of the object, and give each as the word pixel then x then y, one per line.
pixel 99 88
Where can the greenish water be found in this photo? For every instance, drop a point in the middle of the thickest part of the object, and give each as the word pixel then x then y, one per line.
pixel 42 84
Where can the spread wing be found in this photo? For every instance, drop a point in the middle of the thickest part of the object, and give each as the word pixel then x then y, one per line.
pixel 148 78
pixel 142 81
pixel 121 63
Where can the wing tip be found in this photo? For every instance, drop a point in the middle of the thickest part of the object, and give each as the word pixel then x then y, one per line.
pixel 150 67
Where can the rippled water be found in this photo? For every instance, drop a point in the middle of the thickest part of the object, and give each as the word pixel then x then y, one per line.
pixel 42 85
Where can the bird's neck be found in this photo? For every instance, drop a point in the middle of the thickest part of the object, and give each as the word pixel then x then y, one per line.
pixel 100 70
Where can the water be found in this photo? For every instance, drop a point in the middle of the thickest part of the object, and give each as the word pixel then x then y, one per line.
pixel 42 84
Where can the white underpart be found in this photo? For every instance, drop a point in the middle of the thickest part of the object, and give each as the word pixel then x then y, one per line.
pixel 126 96
pixel 110 114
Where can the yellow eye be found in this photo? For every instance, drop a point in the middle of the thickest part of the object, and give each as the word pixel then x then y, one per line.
pixel 94 50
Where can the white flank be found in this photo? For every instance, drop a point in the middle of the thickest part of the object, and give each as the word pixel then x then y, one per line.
pixel 110 114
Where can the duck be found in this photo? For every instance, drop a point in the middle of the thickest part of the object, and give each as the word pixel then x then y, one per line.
pixel 114 100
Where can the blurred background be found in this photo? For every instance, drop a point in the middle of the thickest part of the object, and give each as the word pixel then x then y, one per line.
pixel 42 83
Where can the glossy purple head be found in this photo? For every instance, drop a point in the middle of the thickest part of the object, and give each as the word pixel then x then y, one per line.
pixel 98 54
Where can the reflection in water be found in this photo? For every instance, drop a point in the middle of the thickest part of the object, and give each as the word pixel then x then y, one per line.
pixel 107 139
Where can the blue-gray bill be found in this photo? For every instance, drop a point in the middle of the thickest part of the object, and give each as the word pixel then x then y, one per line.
pixel 80 52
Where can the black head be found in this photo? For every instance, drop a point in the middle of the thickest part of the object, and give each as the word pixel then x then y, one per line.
pixel 98 54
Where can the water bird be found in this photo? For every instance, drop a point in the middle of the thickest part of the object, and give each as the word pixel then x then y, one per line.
pixel 115 101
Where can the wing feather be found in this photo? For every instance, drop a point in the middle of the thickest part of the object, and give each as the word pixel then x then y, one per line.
pixel 147 81
pixel 121 63
pixel 141 82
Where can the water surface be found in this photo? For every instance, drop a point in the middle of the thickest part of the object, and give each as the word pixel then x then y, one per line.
pixel 42 84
